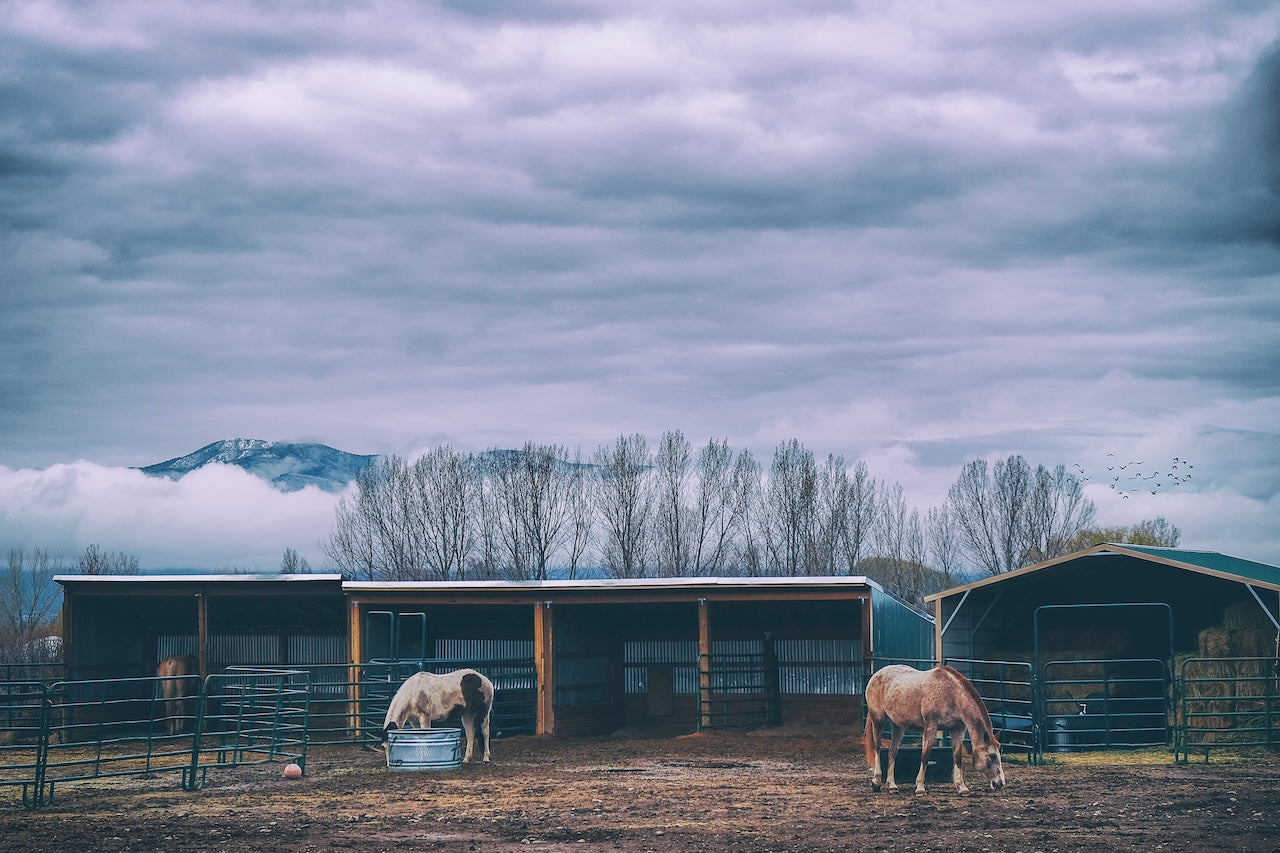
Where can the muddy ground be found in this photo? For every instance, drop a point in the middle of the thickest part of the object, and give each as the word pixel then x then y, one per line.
pixel 778 790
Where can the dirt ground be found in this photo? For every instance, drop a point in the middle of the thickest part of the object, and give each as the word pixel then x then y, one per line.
pixel 774 790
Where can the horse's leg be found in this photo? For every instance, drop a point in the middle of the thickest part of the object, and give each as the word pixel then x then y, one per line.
pixel 926 746
pixel 957 762
pixel 890 775
pixel 469 727
pixel 871 743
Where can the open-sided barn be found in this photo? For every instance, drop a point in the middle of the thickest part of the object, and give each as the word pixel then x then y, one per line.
pixel 568 657
pixel 1123 644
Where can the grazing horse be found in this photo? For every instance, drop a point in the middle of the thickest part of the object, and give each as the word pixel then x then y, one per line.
pixel 425 697
pixel 940 699
pixel 176 689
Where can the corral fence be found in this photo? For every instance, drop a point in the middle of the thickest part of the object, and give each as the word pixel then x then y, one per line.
pixel 66 731
pixel 1207 704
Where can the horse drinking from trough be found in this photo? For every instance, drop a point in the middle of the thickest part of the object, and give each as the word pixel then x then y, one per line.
pixel 426 696
pixel 940 699
pixel 177 688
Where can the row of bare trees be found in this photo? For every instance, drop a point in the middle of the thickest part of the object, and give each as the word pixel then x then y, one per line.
pixel 630 511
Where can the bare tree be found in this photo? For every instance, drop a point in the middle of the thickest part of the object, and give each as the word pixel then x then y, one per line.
pixel 724 487
pixel 534 493
pixel 1056 510
pixel 28 601
pixel 943 544
pixel 861 507
pixel 831 508
pixel 95 561
pixel 788 511
pixel 1015 516
pixel 1157 532
pixel 355 544
pixel 673 522
pixel 580 513
pixel 624 505
pixel 291 563
pixel 446 485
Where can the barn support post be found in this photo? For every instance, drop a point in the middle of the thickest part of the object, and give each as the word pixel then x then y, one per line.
pixel 354 638
pixel 202 633
pixel 544 666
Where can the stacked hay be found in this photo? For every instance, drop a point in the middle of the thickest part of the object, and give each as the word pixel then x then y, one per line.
pixel 1253 640
pixel 1209 686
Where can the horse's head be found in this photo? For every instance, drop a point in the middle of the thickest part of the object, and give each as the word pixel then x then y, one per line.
pixel 986 760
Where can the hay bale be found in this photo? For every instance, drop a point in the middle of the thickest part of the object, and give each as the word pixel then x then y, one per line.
pixel 1244 614
pixel 1215 643
pixel 1253 642
pixel 1210 694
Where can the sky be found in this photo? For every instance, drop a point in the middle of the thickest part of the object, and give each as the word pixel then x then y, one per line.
pixel 910 233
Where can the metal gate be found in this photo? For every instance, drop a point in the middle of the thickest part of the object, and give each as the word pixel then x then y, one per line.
pixel 1105 702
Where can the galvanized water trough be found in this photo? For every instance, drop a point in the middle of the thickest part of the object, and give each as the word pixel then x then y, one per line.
pixel 424 749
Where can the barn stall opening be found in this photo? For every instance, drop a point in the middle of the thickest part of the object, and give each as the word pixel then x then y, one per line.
pixel 1122 645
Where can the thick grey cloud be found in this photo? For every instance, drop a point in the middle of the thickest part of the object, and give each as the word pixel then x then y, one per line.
pixel 912 235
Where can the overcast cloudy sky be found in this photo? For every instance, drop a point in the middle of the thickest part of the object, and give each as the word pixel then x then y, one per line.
pixel 910 233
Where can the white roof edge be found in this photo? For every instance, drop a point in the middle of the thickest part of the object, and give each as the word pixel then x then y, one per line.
pixel 191 578
pixel 620 583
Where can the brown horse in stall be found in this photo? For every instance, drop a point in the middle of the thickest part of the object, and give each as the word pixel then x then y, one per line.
pixel 938 700
pixel 177 689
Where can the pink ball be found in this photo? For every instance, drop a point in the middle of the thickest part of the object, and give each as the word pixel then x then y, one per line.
pixel 292 771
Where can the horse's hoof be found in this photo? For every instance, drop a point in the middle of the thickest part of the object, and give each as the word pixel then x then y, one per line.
pixel 919 790
pixel 875 787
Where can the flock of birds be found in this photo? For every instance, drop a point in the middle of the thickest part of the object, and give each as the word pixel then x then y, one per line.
pixel 1130 478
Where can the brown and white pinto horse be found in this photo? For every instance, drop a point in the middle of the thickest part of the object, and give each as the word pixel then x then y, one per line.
pixel 177 688
pixel 940 699
pixel 425 697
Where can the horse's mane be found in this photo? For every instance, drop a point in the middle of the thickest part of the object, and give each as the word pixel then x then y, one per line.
pixel 972 691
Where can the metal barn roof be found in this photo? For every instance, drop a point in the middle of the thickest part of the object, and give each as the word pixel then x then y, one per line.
pixel 1202 562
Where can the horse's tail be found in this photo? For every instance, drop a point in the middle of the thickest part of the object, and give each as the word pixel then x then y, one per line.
pixel 474 696
pixel 871 739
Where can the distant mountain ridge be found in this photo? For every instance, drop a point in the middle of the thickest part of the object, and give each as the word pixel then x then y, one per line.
pixel 288 467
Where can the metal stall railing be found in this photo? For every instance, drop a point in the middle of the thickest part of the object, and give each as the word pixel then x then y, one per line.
pixel 1227 703
pixel 514 683
pixel 100 728
pixel 24 734
pixel 1105 703
pixel 1008 689
pixel 68 731
pixel 742 694
pixel 250 715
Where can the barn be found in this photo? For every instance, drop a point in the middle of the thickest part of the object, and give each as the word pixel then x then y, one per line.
pixel 1122 645
pixel 658 656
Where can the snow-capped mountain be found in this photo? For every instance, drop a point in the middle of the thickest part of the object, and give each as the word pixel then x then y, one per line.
pixel 288 467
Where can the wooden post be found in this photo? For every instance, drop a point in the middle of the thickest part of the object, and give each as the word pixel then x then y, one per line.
pixel 704 667
pixel 202 633
pixel 353 671
pixel 543 662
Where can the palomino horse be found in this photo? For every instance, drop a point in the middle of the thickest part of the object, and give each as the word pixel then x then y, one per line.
pixel 940 699
pixel 177 689
pixel 425 697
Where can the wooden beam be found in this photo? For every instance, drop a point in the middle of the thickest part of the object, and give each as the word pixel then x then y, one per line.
pixel 544 666
pixel 202 633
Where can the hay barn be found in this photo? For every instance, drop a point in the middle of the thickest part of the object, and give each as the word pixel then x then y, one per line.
pixel 661 656
pixel 1122 645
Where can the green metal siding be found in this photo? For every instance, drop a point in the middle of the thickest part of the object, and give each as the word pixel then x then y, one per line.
pixel 898 630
